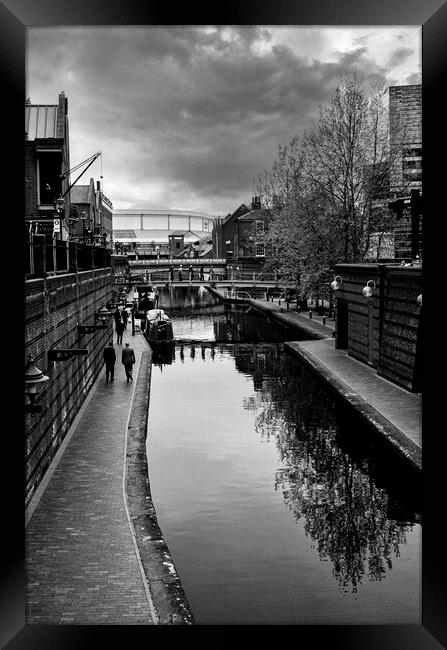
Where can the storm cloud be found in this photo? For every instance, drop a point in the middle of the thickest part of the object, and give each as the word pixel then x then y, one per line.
pixel 186 117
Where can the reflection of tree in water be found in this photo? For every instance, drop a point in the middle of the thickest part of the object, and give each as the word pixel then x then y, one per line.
pixel 344 511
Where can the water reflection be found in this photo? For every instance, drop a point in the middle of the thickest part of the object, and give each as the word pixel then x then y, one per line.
pixel 355 502
pixel 338 494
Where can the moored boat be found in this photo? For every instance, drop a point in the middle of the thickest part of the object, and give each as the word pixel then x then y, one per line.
pixel 158 327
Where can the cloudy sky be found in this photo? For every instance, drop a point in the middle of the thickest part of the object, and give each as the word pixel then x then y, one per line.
pixel 186 117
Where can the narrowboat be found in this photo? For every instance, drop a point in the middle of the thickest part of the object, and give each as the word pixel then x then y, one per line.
pixel 158 327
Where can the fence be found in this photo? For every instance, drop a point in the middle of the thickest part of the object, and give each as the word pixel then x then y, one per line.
pixel 45 255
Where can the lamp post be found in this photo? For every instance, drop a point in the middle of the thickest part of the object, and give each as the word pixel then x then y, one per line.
pixel 34 380
pixel 83 218
pixel 59 205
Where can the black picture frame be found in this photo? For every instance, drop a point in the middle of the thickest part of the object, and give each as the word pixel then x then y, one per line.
pixel 15 17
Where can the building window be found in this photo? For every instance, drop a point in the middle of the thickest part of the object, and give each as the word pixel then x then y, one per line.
pixel 49 169
pixel 259 227
pixel 260 250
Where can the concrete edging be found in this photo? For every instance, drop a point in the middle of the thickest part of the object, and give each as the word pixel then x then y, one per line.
pixel 167 593
pixel 373 418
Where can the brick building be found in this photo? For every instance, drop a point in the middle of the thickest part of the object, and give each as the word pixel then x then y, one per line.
pixel 93 211
pixel 239 237
pixel 405 108
pixel 47 162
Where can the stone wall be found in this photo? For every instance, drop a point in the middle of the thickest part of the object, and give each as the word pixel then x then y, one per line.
pixel 54 306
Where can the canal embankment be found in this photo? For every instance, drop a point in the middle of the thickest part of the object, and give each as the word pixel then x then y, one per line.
pixel 391 411
pixel 168 596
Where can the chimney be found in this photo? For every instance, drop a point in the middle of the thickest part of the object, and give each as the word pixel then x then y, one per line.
pixel 256 203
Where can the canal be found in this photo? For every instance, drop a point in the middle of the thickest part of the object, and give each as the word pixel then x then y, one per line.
pixel 277 505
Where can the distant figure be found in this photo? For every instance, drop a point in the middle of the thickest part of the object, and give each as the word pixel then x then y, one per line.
pixel 202 275
pixel 180 274
pixel 109 356
pixel 211 274
pixel 171 273
pixel 191 272
pixel 125 316
pixel 119 332
pixel 117 315
pixel 128 359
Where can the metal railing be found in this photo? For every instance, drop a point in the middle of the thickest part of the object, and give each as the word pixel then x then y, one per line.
pixel 47 256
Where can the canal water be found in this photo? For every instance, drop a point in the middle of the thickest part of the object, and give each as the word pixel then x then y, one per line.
pixel 277 505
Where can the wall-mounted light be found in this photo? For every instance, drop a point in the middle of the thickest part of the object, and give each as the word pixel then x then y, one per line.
pixel 65 353
pixel 369 288
pixel 336 283
pixel 419 300
pixel 102 315
pixel 34 380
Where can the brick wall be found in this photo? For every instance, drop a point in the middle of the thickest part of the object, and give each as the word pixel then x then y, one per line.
pixel 400 345
pixel 363 313
pixel 31 180
pixel 53 308
pixel 405 104
pixel 385 329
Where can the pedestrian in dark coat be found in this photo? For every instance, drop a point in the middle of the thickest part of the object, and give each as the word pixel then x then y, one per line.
pixel 180 274
pixel 191 272
pixel 119 332
pixel 171 273
pixel 117 315
pixel 109 356
pixel 128 359
pixel 125 316
pixel 202 276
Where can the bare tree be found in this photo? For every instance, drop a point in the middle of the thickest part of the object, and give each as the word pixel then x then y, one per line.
pixel 327 190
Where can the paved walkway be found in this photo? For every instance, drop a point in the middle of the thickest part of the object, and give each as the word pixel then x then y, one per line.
pixel 394 412
pixel 82 564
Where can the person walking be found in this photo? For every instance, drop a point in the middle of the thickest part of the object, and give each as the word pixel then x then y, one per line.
pixel 191 272
pixel 128 359
pixel 125 316
pixel 180 273
pixel 202 275
pixel 117 315
pixel 119 332
pixel 109 356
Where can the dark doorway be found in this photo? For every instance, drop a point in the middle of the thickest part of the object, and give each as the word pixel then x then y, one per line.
pixel 341 336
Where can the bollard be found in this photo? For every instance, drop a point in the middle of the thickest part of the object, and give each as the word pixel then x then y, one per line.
pixel 324 320
pixel 310 315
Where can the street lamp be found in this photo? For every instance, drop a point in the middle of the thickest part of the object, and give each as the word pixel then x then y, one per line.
pixel 336 283
pixel 369 288
pixel 34 380
pixel 83 218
